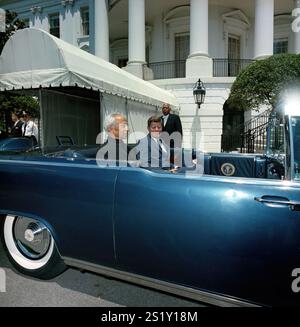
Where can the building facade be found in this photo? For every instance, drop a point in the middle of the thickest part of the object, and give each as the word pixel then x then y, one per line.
pixel 172 43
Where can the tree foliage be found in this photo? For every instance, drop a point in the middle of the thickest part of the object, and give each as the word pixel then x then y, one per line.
pixel 16 103
pixel 19 103
pixel 262 82
pixel 8 102
pixel 12 25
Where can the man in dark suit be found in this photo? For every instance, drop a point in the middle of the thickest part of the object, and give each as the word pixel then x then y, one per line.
pixel 16 129
pixel 171 123
pixel 114 151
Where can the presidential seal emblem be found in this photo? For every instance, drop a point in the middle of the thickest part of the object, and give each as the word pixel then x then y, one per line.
pixel 227 169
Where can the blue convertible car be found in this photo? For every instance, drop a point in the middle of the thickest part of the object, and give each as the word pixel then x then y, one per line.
pixel 229 237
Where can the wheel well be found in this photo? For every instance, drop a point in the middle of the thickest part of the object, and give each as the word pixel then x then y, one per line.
pixel 33 216
pixel 47 266
pixel 2 216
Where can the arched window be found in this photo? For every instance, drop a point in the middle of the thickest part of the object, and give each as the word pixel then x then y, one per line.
pixel 177 33
pixel 235 33
pixel 119 52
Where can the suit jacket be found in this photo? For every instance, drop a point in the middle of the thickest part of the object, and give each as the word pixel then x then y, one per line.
pixel 115 152
pixel 153 154
pixel 173 125
pixel 16 131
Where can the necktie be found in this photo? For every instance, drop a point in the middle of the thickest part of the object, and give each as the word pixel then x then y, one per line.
pixel 25 125
pixel 160 152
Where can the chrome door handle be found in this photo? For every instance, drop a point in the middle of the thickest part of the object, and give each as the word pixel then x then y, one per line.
pixel 293 205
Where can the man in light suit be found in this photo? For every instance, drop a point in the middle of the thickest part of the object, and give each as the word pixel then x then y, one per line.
pixel 152 151
pixel 171 123
pixel 29 128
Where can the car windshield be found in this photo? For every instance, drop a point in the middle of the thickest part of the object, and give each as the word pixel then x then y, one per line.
pixel 276 142
pixel 295 123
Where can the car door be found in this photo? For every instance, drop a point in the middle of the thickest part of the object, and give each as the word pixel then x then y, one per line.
pixel 233 236
pixel 74 198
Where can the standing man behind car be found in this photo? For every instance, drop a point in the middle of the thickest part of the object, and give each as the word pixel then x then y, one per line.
pixel 171 123
pixel 16 129
pixel 29 128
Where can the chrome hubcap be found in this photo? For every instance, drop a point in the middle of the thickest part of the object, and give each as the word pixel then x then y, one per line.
pixel 34 233
pixel 31 237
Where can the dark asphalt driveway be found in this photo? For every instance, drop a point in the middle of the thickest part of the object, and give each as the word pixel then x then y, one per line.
pixel 74 288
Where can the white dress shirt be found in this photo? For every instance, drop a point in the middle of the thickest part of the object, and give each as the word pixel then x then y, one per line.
pixel 29 129
pixel 165 118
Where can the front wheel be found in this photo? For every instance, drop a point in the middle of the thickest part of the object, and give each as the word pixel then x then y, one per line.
pixel 30 247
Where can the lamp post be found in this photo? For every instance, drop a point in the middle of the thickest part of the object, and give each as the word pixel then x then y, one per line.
pixel 199 92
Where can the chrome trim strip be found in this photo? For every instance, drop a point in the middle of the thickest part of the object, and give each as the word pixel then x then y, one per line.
pixel 58 164
pixel 179 290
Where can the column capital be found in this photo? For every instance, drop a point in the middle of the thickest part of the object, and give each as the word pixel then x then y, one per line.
pixel 36 10
pixel 64 3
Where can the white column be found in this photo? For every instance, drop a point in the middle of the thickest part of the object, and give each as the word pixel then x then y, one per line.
pixel 296 27
pixel 101 29
pixel 199 28
pixel 37 18
pixel 199 63
pixel 136 38
pixel 67 24
pixel 136 31
pixel 264 29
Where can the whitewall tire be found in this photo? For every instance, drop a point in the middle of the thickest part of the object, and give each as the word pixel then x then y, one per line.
pixel 30 247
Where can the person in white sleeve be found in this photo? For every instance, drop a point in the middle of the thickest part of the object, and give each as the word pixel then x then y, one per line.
pixel 29 128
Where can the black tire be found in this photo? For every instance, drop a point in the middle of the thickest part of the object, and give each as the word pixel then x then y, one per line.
pixel 44 265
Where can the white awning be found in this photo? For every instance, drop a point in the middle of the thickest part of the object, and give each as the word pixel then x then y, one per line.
pixel 33 58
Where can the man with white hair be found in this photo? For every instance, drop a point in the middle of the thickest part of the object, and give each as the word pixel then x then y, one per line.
pixel 114 148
